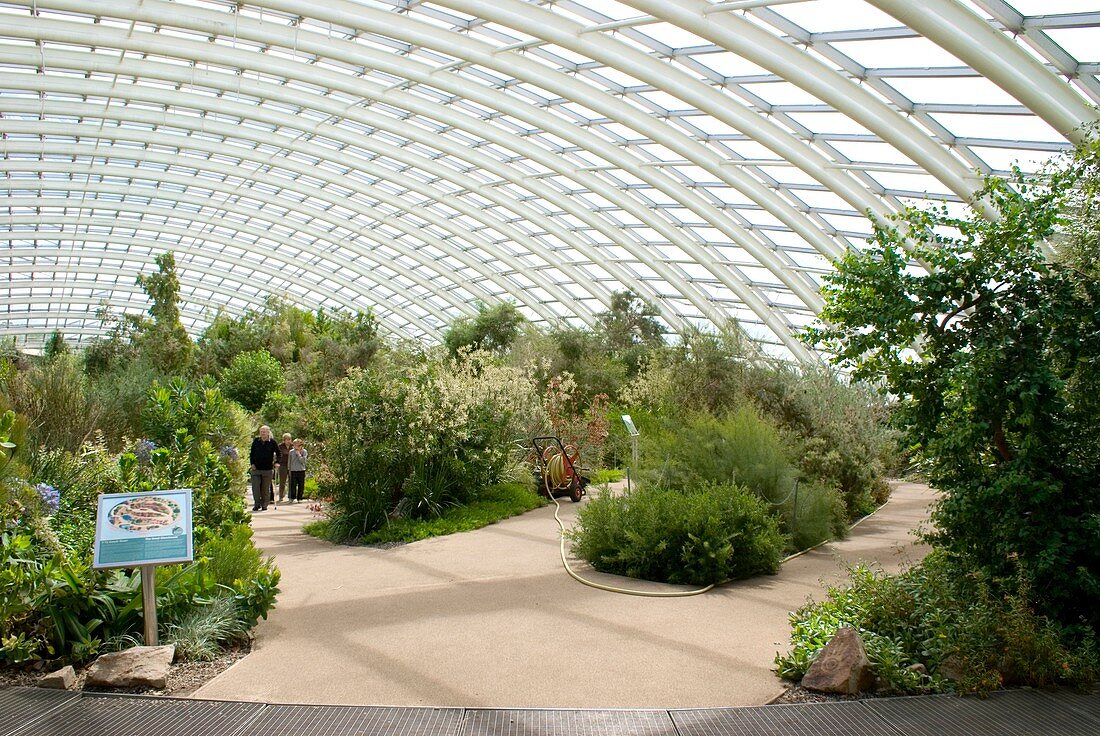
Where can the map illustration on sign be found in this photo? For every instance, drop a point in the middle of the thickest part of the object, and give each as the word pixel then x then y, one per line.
pixel 149 528
pixel 144 513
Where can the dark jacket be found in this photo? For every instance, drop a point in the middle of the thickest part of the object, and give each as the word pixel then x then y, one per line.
pixel 263 454
pixel 284 454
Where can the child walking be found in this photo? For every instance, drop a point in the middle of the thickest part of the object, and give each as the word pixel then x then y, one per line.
pixel 297 458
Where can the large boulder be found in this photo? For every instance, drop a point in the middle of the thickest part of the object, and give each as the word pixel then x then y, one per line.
pixel 841 667
pixel 135 667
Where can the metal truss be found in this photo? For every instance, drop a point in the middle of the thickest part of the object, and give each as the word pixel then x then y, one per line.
pixel 419 158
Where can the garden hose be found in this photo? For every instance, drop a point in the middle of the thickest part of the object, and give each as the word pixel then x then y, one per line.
pixel 601 586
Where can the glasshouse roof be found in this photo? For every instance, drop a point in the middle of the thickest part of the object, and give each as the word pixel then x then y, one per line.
pixel 422 158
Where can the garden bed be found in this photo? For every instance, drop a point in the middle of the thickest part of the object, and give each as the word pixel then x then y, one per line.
pixel 184 678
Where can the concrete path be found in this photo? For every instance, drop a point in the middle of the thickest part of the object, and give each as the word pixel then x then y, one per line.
pixel 490 619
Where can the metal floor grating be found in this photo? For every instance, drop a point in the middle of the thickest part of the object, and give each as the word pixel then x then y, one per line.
pixel 809 719
pixel 351 720
pixel 20 706
pixel 568 723
pixel 116 715
pixel 1014 713
pixel 34 712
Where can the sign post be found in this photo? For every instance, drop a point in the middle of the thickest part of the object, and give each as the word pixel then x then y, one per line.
pixel 144 530
pixel 633 432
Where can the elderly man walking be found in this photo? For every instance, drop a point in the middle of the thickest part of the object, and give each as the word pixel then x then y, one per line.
pixel 263 458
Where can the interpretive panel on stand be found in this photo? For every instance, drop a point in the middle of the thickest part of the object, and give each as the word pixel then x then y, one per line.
pixel 151 528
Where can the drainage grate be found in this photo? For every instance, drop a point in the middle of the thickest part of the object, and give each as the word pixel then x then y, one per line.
pixel 1087 703
pixel 809 719
pixel 100 715
pixel 19 706
pixel 567 723
pixel 337 720
pixel 1016 712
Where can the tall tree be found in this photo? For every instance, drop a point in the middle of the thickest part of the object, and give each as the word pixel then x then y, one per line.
pixel 994 355
pixel 164 340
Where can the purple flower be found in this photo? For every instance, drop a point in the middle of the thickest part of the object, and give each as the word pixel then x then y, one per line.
pixel 144 451
pixel 50 496
pixel 229 453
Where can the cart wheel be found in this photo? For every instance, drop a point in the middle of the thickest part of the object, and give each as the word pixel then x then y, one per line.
pixel 576 491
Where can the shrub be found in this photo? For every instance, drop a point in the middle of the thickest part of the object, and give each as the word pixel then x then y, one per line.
pixel 198 407
pixel 231 558
pixel 414 439
pixel 251 377
pixel 698 448
pixel 79 479
pixel 744 448
pixel 814 513
pixel 121 394
pixel 947 615
pixel 708 534
pixel 53 396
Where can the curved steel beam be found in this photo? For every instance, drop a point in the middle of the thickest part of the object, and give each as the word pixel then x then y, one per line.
pixel 174 214
pixel 356 55
pixel 245 290
pixel 738 34
pixel 263 268
pixel 478 160
pixel 147 117
pixel 997 57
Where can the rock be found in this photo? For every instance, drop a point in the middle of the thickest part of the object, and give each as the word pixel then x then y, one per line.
pixel 136 667
pixel 62 679
pixel 952 668
pixel 841 667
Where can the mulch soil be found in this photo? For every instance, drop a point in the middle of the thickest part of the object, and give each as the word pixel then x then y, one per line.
pixel 184 678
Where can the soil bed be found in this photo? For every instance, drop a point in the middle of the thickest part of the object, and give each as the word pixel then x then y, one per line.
pixel 184 678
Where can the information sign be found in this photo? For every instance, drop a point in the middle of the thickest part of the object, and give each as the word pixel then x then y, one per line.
pixel 152 528
pixel 630 428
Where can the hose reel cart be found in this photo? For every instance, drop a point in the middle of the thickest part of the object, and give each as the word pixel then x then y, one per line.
pixel 557 471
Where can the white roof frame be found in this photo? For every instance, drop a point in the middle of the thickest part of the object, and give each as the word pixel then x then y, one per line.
pixel 417 157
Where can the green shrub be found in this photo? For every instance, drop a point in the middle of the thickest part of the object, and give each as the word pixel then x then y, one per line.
pixel 121 394
pixel 52 606
pixel 740 447
pixel 1002 409
pixel 814 513
pixel 607 475
pixel 413 439
pixel 951 618
pixel 198 407
pixel 232 561
pixel 79 479
pixel 54 398
pixel 251 377
pixel 231 558
pixel 704 535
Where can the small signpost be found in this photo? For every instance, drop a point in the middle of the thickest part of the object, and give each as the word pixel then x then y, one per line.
pixel 144 530
pixel 633 432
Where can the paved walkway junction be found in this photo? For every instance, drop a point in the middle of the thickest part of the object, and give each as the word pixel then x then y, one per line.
pixel 490 619
pixel 32 712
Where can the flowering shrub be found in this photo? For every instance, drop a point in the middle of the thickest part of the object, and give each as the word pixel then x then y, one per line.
pixel 411 439
pixel 50 496
pixel 143 451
